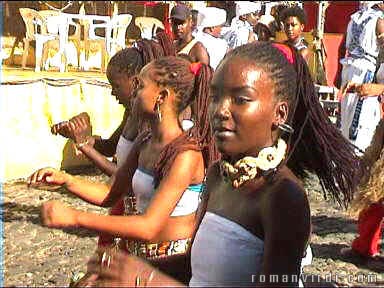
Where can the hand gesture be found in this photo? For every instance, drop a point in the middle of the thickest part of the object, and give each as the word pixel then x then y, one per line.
pixel 118 269
pixel 54 214
pixel 47 176
pixel 78 128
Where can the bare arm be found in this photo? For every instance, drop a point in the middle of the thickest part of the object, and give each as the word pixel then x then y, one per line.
pixel 286 222
pixel 145 226
pixel 199 53
pixel 305 53
pixel 100 161
pixel 92 192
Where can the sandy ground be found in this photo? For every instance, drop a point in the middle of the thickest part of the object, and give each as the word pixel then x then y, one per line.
pixel 38 256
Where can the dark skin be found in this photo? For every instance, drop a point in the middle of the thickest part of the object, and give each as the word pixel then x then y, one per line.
pixel 182 31
pixel 244 113
pixel 293 29
pixel 245 105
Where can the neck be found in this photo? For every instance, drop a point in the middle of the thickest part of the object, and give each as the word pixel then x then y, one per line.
pixel 183 41
pixel 295 41
pixel 167 130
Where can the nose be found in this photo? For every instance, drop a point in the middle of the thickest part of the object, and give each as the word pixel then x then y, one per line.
pixel 222 109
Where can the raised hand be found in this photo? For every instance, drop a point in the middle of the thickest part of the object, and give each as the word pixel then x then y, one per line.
pixel 78 128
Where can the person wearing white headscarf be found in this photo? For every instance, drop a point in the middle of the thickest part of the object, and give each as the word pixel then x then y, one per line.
pixel 212 19
pixel 241 30
pixel 359 117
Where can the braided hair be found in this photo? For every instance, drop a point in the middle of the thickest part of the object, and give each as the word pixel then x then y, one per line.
pixel 315 145
pixel 190 90
pixel 131 60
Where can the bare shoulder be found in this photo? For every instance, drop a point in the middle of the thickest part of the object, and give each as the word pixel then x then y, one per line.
pixel 188 156
pixel 199 53
pixel 198 45
pixel 287 191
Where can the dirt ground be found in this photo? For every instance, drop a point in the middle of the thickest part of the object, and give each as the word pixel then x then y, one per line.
pixel 38 256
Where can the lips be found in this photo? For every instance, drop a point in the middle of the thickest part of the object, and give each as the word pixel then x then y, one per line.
pixel 222 131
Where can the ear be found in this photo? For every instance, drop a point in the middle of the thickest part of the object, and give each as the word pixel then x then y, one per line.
pixel 281 113
pixel 163 96
pixel 301 27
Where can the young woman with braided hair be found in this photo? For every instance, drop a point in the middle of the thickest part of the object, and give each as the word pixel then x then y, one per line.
pixel 270 129
pixel 164 170
pixel 121 72
pixel 122 69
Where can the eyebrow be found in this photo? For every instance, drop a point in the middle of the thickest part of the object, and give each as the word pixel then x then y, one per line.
pixel 235 89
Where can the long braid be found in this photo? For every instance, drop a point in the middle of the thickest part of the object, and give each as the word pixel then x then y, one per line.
pixel 316 145
pixel 174 72
pixel 202 129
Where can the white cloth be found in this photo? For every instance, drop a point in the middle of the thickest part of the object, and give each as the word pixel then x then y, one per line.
pixel 226 254
pixel 211 17
pixel 368 4
pixel 361 40
pixel 187 48
pixel 216 48
pixel 123 148
pixel 363 50
pixel 238 33
pixel 246 7
pixel 144 190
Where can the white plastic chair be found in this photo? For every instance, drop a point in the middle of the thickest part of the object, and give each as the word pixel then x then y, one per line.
pixel 54 27
pixel 36 30
pixel 148 26
pixel 91 37
pixel 116 33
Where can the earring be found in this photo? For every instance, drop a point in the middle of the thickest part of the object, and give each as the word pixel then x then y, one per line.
pixel 158 111
pixel 285 128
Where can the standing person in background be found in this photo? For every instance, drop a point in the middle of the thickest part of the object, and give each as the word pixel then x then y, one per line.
pixel 212 20
pixel 265 28
pixel 359 116
pixel 241 30
pixel 294 20
pixel 185 43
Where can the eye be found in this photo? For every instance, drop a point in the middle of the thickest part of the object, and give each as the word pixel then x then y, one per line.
pixel 240 100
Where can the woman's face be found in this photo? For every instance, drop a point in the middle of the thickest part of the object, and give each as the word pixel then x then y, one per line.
pixel 293 28
pixel 123 86
pixel 148 92
pixel 242 110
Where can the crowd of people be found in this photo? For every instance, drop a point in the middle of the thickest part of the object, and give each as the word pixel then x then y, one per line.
pixel 221 126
